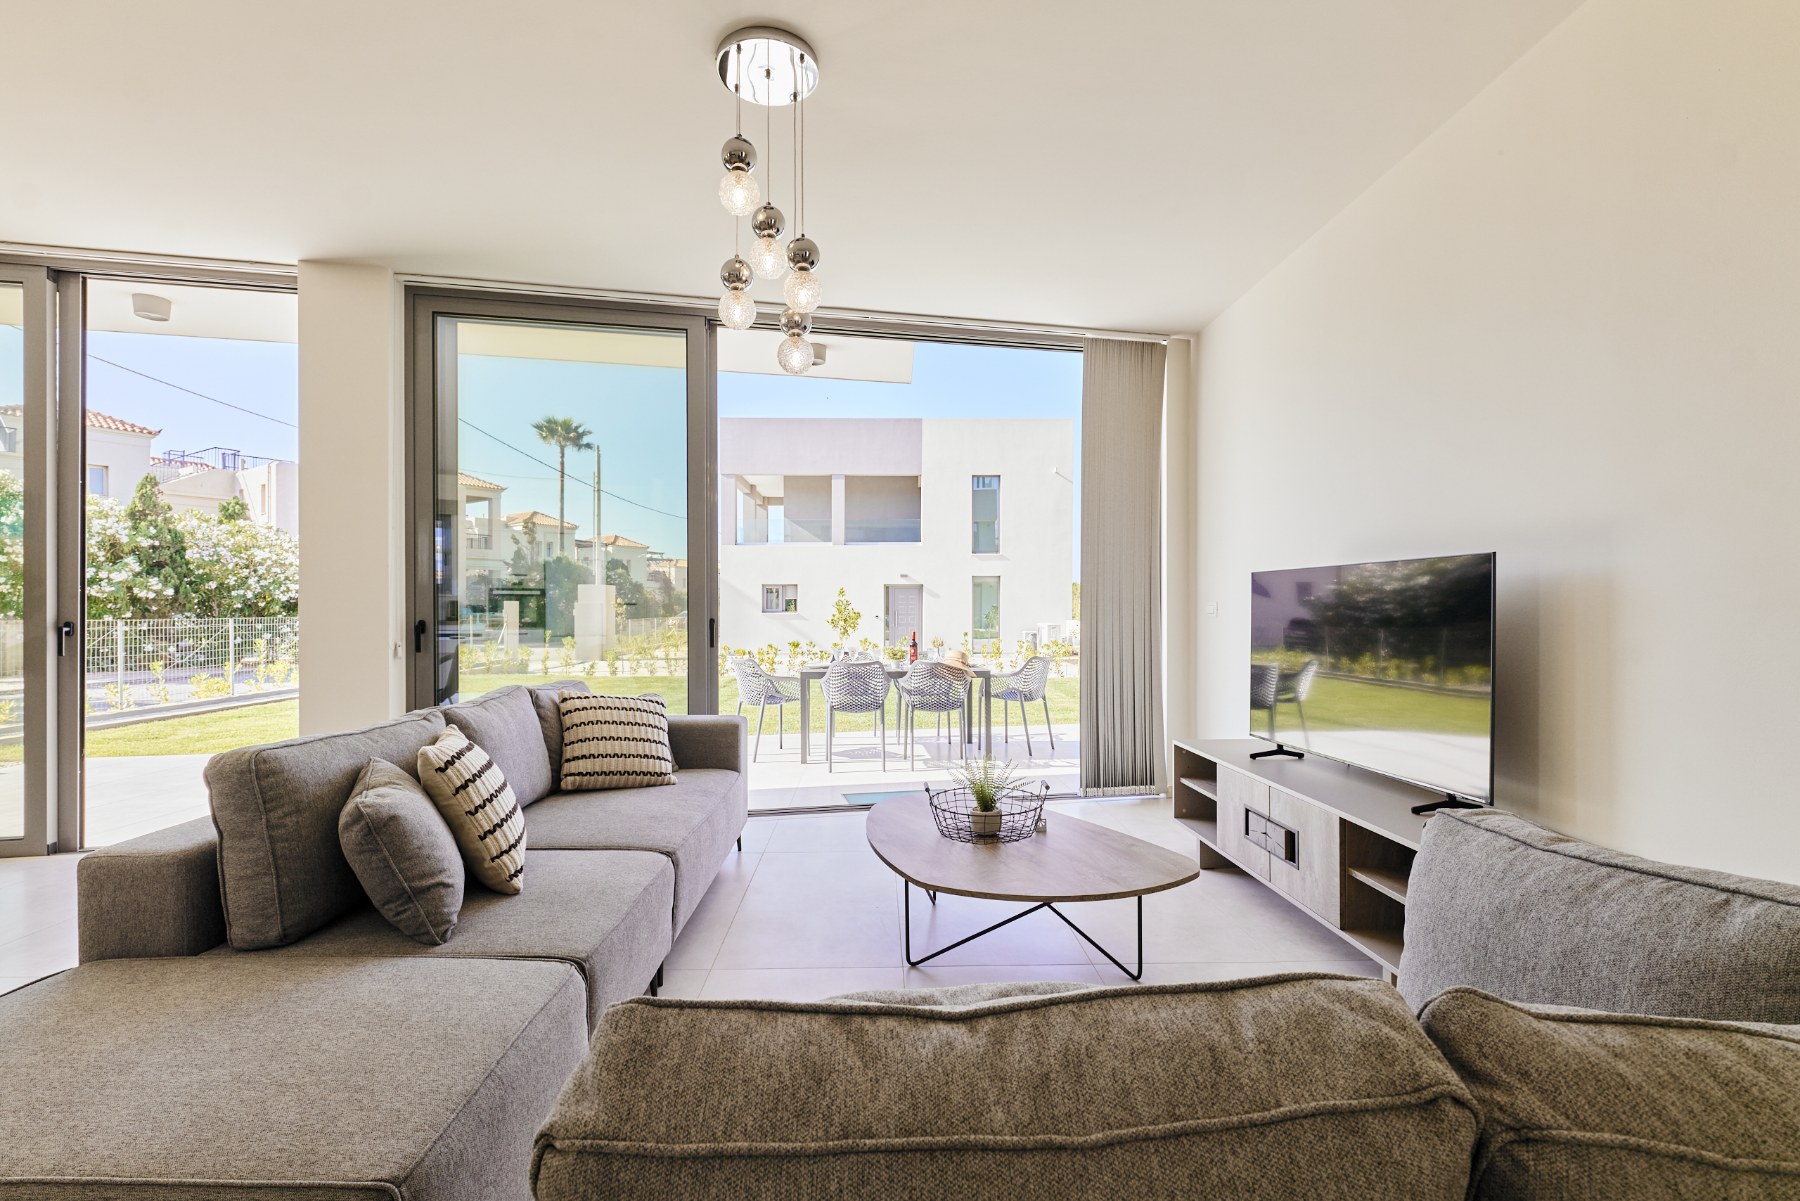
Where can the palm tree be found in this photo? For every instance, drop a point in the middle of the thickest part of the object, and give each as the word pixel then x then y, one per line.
pixel 566 434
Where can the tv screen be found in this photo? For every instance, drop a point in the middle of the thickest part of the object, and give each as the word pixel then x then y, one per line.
pixel 1388 666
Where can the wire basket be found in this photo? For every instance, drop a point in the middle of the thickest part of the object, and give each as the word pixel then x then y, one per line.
pixel 1015 819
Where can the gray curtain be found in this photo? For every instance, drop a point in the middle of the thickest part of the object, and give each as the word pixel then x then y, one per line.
pixel 1121 564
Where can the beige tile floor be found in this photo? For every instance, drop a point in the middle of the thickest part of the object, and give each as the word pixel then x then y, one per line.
pixel 807 911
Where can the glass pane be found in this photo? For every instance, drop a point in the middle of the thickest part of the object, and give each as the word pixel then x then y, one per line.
pixel 193 557
pixel 12 561
pixel 561 550
pixel 865 499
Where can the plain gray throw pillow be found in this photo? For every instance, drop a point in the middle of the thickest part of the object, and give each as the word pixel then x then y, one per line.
pixel 403 853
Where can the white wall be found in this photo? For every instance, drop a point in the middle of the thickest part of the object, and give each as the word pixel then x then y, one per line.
pixel 352 527
pixel 1562 329
pixel 126 458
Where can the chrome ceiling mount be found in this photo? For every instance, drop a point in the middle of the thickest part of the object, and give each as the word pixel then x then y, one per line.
pixel 767 65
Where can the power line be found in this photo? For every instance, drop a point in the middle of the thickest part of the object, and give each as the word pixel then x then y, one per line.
pixel 552 466
pixel 179 388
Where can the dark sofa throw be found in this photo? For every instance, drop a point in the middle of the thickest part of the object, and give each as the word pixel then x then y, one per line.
pixel 1499 904
pixel 614 742
pixel 403 853
pixel 1623 1107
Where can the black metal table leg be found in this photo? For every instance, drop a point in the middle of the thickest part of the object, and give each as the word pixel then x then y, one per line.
pixel 906 919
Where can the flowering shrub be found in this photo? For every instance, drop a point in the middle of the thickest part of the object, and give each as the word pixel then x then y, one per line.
pixel 146 560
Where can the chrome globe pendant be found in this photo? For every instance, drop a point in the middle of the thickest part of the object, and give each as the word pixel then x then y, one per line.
pixel 736 309
pixel 769 257
pixel 739 191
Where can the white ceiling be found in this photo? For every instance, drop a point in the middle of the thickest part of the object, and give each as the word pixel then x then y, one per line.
pixel 1133 165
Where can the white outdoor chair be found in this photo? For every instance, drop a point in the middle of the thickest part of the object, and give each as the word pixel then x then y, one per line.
pixel 757 687
pixel 934 688
pixel 855 686
pixel 1030 683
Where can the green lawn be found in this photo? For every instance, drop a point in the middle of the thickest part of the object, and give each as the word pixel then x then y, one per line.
pixel 217 730
pixel 1336 704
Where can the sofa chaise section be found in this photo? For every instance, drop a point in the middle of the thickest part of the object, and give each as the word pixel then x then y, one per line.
pixel 302 1079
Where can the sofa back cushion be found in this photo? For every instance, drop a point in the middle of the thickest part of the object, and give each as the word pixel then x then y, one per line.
pixel 1519 911
pixel 1582 1104
pixel 504 723
pixel 544 699
pixel 282 872
pixel 1287 1086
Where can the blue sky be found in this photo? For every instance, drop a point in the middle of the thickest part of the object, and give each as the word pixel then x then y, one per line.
pixel 637 414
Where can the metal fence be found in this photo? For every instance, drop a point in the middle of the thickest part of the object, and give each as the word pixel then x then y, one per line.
pixel 171 661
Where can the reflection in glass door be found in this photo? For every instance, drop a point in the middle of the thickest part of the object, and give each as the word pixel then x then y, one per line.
pixel 560 543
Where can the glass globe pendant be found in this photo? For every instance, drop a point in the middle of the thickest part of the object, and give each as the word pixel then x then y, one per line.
pixel 802 291
pixel 736 309
pixel 795 354
pixel 768 258
pixel 739 193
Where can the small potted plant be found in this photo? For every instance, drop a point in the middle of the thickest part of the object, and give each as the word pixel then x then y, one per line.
pixel 986 782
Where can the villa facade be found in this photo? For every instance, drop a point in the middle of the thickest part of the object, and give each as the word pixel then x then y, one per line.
pixel 952 528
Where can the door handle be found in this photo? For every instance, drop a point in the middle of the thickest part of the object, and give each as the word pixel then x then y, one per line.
pixel 64 632
pixel 419 629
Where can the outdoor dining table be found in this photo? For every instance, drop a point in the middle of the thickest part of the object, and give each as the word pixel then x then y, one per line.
pixel 896 671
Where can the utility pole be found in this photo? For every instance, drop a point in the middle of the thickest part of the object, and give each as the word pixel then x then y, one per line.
pixel 599 547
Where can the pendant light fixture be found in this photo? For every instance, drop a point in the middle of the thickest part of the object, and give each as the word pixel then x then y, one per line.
pixel 771 67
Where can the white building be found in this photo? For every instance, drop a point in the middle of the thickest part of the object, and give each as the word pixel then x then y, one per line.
pixel 947 527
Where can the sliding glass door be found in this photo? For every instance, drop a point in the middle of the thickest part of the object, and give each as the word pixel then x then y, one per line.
pixel 560 467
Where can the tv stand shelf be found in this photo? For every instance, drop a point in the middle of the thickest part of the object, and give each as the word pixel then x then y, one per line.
pixel 1336 841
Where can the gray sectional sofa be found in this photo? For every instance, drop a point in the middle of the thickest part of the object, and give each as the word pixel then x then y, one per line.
pixel 1326 1088
pixel 244 1023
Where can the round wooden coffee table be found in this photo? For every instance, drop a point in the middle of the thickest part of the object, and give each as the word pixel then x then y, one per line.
pixel 1071 861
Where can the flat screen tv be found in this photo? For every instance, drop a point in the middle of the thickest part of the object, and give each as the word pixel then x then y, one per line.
pixel 1386 666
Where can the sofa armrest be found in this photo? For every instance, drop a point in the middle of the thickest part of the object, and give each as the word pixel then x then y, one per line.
pixel 153 896
pixel 702 740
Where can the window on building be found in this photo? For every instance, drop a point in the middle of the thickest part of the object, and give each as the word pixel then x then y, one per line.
pixel 781 598
pixel 881 508
pixel 984 623
pixel 1303 590
pixel 984 506
pixel 97 479
pixel 479 513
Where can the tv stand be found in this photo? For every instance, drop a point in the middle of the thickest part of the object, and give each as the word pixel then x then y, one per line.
pixel 1336 842
pixel 1450 801
pixel 1277 750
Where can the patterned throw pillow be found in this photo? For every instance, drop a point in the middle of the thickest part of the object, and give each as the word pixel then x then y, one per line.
pixel 614 741
pixel 478 805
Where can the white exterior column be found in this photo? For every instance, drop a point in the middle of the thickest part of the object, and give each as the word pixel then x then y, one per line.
pixel 352 513
pixel 837 510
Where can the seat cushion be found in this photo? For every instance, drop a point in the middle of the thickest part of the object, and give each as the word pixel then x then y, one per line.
pixel 478 804
pixel 504 723
pixel 242 1075
pixel 694 822
pixel 1289 1086
pixel 1617 1107
pixel 281 871
pixel 605 913
pixel 1497 903
pixel 402 853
